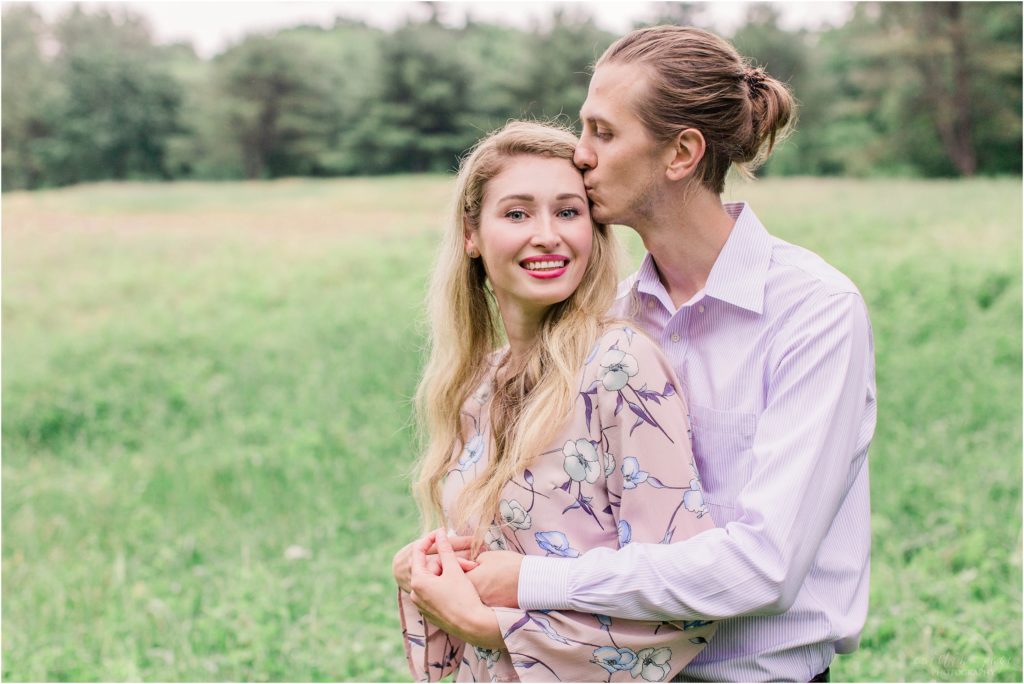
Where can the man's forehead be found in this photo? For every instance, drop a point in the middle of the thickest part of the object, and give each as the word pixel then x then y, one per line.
pixel 613 89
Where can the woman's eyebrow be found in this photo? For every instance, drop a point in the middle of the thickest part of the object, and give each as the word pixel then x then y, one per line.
pixel 521 198
pixel 531 198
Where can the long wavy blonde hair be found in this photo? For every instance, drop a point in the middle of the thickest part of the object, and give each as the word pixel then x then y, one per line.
pixel 531 400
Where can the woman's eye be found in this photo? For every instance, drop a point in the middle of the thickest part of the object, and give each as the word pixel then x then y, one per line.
pixel 569 212
pixel 602 135
pixel 516 215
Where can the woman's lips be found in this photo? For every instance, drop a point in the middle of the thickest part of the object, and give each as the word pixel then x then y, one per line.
pixel 545 266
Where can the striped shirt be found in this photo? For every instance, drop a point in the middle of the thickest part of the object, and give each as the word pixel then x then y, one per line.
pixel 776 360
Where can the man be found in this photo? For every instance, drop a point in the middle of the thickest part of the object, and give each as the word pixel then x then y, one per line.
pixel 773 348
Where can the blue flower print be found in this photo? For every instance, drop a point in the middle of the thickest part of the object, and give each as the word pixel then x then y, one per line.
pixel 609 463
pixel 652 664
pixel 489 656
pixel 618 367
pixel 472 452
pixel 580 461
pixel 694 624
pixel 513 514
pixel 556 543
pixel 625 533
pixel 482 394
pixel 693 499
pixel 494 540
pixel 614 659
pixel 632 473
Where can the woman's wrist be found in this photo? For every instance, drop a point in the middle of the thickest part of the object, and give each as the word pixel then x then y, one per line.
pixel 485 631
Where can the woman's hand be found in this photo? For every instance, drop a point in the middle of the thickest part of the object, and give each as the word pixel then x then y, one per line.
pixel 401 564
pixel 447 599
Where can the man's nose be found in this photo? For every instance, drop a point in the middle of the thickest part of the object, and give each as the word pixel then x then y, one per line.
pixel 583 157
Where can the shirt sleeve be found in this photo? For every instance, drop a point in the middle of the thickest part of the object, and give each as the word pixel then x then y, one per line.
pixel 643 439
pixel 430 652
pixel 804 461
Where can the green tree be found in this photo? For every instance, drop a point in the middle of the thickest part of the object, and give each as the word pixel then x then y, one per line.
pixel 31 93
pixel 556 79
pixel 275 112
pixel 420 117
pixel 929 88
pixel 786 56
pixel 119 104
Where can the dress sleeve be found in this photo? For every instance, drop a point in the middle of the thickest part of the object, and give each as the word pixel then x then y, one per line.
pixel 431 652
pixel 654 493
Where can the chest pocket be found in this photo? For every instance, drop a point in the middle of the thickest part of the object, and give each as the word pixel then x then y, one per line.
pixel 722 443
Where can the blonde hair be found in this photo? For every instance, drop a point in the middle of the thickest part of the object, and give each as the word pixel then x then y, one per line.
pixel 699 80
pixel 537 396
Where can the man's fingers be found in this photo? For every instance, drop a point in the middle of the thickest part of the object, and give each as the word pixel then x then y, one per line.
pixel 433 565
pixel 467 564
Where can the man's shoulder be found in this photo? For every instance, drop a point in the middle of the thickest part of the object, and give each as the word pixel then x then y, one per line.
pixel 622 307
pixel 800 270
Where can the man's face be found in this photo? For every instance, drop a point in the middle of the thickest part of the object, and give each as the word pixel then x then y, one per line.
pixel 622 164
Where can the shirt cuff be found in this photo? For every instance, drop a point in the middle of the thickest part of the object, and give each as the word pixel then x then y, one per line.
pixel 544 583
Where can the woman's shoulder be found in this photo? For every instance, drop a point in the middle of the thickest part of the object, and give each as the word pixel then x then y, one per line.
pixel 623 353
pixel 624 336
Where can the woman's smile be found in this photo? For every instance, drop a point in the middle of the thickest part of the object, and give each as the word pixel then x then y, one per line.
pixel 545 266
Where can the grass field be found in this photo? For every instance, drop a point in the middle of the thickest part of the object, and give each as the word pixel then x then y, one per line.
pixel 206 422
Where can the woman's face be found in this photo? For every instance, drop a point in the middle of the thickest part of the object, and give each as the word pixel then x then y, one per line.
pixel 534 235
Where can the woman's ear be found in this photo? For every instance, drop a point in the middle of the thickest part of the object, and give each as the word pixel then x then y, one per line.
pixel 467 235
pixel 687 151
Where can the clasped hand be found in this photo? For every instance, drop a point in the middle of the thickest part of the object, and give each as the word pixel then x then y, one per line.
pixel 444 595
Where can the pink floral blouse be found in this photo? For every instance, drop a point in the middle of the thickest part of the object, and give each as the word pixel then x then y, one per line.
pixel 621 471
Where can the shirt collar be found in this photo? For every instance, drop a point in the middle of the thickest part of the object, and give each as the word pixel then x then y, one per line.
pixel 740 271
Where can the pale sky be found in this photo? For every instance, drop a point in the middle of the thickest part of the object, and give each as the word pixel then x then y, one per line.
pixel 212 26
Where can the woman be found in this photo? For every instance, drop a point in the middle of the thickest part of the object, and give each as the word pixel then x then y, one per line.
pixel 570 437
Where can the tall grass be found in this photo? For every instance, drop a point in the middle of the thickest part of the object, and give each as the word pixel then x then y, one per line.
pixel 206 422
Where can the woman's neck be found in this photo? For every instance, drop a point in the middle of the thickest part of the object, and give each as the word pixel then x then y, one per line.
pixel 521 328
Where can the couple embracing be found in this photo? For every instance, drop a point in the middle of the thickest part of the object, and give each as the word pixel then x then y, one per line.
pixel 660 480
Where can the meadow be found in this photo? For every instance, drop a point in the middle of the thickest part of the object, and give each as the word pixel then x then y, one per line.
pixel 207 437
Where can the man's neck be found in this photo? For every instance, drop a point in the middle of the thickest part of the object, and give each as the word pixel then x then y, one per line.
pixel 685 238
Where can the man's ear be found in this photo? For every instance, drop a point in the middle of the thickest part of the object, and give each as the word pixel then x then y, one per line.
pixel 687 150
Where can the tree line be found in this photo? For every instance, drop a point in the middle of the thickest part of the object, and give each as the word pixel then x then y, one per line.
pixel 924 89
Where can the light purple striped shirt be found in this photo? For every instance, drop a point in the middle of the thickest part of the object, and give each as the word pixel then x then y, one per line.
pixel 776 360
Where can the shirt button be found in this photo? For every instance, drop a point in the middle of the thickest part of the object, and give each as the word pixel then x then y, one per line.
pixel 675 337
pixel 651 303
pixel 701 308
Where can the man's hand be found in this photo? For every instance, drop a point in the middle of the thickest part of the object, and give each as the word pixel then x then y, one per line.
pixel 447 599
pixel 496 578
pixel 401 564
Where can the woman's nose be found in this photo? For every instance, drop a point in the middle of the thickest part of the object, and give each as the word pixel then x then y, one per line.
pixel 545 233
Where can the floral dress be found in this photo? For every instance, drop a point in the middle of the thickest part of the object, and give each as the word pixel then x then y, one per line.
pixel 621 471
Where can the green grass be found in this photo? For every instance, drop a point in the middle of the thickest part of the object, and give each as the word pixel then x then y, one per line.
pixel 198 377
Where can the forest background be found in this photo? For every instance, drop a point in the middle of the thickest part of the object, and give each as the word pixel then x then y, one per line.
pixel 908 89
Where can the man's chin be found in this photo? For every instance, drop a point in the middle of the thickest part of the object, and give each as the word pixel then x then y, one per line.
pixel 600 215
